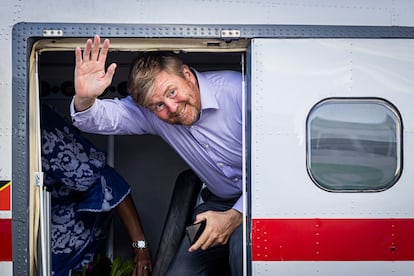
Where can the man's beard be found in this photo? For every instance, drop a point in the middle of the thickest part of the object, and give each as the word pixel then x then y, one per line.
pixel 186 114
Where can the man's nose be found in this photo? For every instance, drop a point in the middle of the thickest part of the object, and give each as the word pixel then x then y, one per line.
pixel 171 105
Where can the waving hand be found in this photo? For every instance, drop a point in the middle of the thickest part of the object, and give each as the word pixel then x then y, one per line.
pixel 91 79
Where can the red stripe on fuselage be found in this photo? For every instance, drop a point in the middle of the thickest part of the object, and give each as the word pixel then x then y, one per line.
pixel 5 240
pixel 332 239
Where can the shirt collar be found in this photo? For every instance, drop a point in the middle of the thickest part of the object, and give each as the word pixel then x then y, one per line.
pixel 207 92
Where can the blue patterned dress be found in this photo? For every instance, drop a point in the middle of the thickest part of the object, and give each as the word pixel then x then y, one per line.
pixel 84 192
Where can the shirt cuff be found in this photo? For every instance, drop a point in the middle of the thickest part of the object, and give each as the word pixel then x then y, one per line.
pixel 73 112
pixel 239 204
pixel 79 118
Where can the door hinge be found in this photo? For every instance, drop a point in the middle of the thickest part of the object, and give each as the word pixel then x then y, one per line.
pixel 52 32
pixel 230 34
pixel 39 179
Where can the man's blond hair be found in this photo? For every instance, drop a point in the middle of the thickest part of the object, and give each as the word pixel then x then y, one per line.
pixel 144 69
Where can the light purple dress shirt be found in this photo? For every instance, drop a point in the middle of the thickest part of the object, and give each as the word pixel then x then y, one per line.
pixel 212 146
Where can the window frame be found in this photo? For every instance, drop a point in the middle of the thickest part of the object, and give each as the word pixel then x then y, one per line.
pixel 399 142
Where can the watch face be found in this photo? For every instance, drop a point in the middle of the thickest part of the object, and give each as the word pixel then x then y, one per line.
pixel 141 244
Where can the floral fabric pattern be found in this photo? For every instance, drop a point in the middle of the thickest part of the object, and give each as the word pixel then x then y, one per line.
pixel 84 191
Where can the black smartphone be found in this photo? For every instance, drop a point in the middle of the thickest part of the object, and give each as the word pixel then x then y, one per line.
pixel 194 231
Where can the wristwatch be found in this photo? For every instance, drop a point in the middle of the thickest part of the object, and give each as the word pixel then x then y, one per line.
pixel 140 244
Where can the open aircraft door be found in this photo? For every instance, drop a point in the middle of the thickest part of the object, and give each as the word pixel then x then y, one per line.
pixel 331 156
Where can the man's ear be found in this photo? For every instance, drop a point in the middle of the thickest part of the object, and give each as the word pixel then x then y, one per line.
pixel 187 72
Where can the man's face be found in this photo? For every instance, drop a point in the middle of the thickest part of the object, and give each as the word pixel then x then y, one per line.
pixel 174 99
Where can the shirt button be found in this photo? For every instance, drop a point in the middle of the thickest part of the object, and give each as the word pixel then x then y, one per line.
pixel 206 146
pixel 235 179
pixel 221 165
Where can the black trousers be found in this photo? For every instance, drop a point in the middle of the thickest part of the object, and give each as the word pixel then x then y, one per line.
pixel 217 260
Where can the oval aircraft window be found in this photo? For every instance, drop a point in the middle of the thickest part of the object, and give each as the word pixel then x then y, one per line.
pixel 354 144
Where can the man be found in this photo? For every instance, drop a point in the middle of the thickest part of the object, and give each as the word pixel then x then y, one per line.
pixel 200 116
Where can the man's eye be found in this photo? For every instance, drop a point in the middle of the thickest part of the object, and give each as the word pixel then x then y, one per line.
pixel 159 106
pixel 172 93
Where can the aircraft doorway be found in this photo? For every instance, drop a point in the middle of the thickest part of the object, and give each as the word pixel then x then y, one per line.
pixel 138 158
